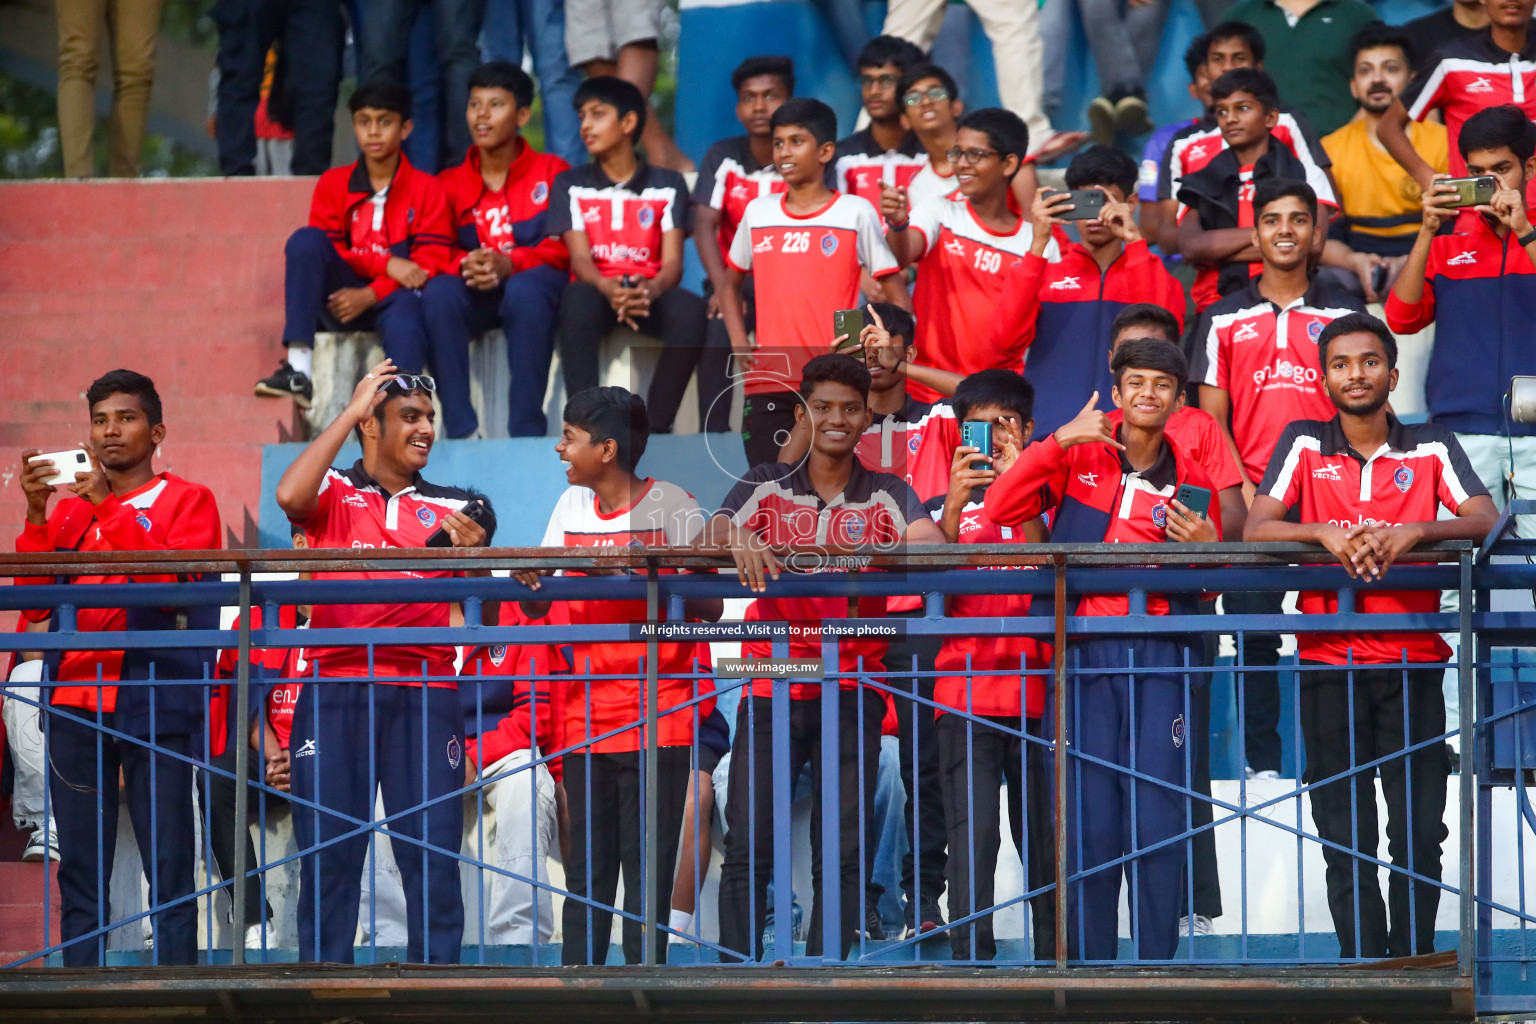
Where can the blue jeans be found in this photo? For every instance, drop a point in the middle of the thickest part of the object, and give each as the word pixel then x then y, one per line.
pixel 509 26
pixel 524 308
pixel 385 36
pixel 315 270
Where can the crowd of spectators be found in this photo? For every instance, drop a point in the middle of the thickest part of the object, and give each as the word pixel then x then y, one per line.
pixel 1189 358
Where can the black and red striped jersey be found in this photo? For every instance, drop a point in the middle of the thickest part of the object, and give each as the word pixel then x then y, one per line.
pixel 779 503
pixel 624 221
pixel 1470 74
pixel 1266 358
pixel 859 166
pixel 730 178
pixel 892 438
pixel 354 511
pixel 1420 470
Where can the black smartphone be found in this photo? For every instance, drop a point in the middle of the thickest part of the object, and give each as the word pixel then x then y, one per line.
pixel 1476 191
pixel 478 514
pixel 978 434
pixel 851 323
pixel 1087 203
pixel 1196 499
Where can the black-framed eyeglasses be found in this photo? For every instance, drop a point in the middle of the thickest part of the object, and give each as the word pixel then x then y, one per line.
pixel 970 156
pixel 405 383
pixel 884 81
pixel 937 94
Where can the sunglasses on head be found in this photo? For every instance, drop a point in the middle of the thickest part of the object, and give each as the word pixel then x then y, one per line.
pixel 405 383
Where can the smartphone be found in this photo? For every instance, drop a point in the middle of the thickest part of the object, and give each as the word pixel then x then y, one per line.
pixel 1472 191
pixel 851 323
pixel 1087 203
pixel 626 281
pixel 978 434
pixel 1196 499
pixel 67 464
pixel 477 513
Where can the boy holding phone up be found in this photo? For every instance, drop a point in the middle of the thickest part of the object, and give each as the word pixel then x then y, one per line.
pixel 1118 485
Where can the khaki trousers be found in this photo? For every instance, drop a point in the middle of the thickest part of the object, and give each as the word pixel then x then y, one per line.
pixel 130 27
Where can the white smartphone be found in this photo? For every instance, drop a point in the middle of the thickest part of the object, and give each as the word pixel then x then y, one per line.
pixel 67 463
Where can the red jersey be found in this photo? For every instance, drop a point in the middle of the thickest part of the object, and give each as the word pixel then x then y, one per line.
pixel 1420 470
pixel 1470 74
pixel 165 514
pixel 859 166
pixel 409 218
pixel 511 219
pixel 1098 498
pixel 276 679
pixel 928 467
pixel 1266 359
pixel 1197 432
pixel 354 511
pixel 996 685
pixel 506 692
pixel 778 502
pixel 624 221
pixel 805 267
pixel 888 446
pixel 665 515
pixel 960 281
pixel 1197 145
pixel 730 178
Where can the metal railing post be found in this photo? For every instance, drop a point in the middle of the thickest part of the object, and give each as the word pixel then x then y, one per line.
pixel 1466 715
pixel 242 770
pixel 1060 760
pixel 649 911
pixel 831 894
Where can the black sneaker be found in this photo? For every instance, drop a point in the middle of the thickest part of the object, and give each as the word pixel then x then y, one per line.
pixel 874 929
pixel 287 383
pixel 929 918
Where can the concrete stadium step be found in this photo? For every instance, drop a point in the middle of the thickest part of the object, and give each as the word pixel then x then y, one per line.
pixel 21 908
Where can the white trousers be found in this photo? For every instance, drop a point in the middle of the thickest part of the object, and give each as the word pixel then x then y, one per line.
pixel 24 733
pixel 515 833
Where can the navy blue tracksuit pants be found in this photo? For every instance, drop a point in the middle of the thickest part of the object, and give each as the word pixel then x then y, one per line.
pixel 83 788
pixel 414 739
pixel 1140 721
pixel 524 307
pixel 314 270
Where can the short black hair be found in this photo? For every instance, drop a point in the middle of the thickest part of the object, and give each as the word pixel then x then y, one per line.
pixel 1236 30
pixel 126 382
pixel 612 414
pixel 898 322
pixel 1145 314
pixel 883 50
pixel 381 93
pixel 811 114
pixel 623 96
pixel 1357 323
pixel 782 68
pixel 1006 131
pixel 1496 128
pixel 1145 354
pixel 836 369
pixel 503 74
pixel 1256 82
pixel 927 69
pixel 1270 190
pixel 1194 54
pixel 1103 165
pixel 1377 34
pixel 487 518
pixel 1002 388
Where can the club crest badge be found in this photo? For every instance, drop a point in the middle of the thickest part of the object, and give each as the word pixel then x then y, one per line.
pixel 828 244
pixel 646 216
pixel 1403 478
pixel 455 753
pixel 1160 516
pixel 427 517
pixel 1178 731
pixel 498 654
pixel 540 193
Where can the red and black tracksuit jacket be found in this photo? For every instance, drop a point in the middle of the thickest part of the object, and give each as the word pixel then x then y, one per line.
pixel 416 221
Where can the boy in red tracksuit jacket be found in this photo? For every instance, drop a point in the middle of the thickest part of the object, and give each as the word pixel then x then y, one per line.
pixel 986 704
pixel 1059 312
pixel 378 230
pixel 122 504
pixel 506 693
pixel 503 272
pixel 1118 486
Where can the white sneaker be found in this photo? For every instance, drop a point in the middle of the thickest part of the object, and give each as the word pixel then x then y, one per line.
pixel 44 844
pixel 256 935
pixel 1203 925
pixel 1267 775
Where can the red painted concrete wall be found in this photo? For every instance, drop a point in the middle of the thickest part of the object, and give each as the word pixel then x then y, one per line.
pixel 181 280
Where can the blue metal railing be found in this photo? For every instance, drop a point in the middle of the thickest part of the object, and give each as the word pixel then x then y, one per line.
pixel 1492 918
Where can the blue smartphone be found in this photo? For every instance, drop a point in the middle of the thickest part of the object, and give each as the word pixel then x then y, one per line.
pixel 978 434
